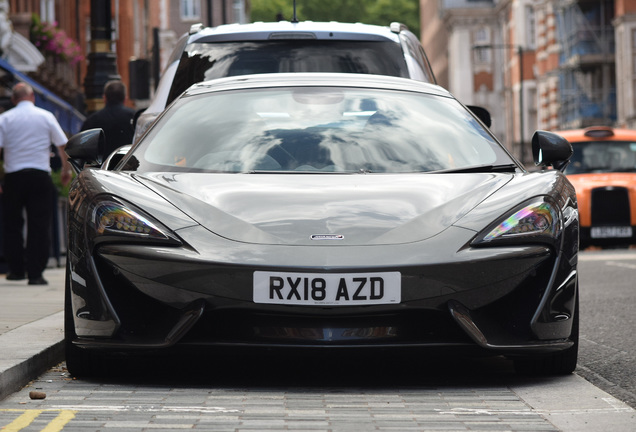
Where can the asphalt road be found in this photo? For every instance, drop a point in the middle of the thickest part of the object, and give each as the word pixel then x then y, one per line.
pixel 607 354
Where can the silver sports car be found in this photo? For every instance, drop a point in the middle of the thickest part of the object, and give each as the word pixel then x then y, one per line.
pixel 321 212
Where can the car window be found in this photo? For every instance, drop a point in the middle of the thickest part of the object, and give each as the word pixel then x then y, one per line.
pixel 603 156
pixel 316 130
pixel 206 61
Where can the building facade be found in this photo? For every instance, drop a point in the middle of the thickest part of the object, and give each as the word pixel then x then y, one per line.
pixel 537 64
pixel 143 34
pixel 625 35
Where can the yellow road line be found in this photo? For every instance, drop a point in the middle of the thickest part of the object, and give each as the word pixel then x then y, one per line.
pixel 58 423
pixel 27 417
pixel 23 421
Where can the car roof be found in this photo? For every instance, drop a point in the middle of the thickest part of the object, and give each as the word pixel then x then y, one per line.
pixel 313 79
pixel 295 30
pixel 598 133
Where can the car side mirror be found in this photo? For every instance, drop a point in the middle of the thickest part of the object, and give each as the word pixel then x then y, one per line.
pixel 482 114
pixel 549 148
pixel 86 148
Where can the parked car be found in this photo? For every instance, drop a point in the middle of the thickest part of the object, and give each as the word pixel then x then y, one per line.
pixel 321 211
pixel 603 172
pixel 240 49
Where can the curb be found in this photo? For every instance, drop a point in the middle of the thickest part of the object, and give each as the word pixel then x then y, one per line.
pixel 32 349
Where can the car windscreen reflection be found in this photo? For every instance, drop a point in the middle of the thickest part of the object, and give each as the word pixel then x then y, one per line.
pixel 328 130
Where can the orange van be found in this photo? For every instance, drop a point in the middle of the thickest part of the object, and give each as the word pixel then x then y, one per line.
pixel 603 172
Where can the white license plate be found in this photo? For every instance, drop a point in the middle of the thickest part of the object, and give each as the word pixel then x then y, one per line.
pixel 337 289
pixel 611 232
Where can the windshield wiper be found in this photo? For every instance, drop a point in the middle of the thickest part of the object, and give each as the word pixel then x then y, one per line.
pixel 296 172
pixel 360 171
pixel 479 169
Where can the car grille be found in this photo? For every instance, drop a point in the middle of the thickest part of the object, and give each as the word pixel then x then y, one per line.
pixel 241 326
pixel 610 206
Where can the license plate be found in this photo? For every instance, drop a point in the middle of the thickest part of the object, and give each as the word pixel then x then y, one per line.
pixel 611 232
pixel 334 289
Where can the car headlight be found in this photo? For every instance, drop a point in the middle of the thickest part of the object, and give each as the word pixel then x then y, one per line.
pixel 536 220
pixel 111 218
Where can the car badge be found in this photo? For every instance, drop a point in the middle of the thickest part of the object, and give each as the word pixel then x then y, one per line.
pixel 327 237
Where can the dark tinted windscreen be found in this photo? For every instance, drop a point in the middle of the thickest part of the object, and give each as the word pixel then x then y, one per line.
pixel 603 156
pixel 205 61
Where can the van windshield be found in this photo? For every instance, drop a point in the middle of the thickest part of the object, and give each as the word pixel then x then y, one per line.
pixel 206 61
pixel 603 156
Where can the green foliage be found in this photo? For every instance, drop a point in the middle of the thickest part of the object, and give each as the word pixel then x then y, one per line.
pixel 333 10
pixel 383 12
pixel 380 12
pixel 267 10
pixel 62 190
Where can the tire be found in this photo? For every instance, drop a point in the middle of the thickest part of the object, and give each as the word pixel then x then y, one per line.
pixel 558 363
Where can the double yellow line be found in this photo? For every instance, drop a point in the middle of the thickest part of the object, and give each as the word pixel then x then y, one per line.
pixel 28 416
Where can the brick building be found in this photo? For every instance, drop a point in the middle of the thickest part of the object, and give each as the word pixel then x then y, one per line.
pixel 143 32
pixel 536 64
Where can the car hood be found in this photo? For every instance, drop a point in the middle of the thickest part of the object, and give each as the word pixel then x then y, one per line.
pixel 314 209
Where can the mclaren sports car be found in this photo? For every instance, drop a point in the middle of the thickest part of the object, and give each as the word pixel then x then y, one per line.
pixel 326 212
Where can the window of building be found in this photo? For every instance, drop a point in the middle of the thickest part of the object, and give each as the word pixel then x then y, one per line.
pixel 482 38
pixel 238 7
pixel 531 28
pixel 47 11
pixel 190 10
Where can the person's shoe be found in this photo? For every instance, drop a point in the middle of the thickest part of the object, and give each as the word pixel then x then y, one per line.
pixel 38 281
pixel 15 276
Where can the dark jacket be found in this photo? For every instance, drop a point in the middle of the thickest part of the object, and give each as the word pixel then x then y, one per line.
pixel 116 120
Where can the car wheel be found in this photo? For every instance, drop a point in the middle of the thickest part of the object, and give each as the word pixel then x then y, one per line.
pixel 79 362
pixel 559 363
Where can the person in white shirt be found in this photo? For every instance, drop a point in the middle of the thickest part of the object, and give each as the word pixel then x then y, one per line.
pixel 26 135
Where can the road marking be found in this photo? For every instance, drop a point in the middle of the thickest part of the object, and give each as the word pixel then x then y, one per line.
pixel 58 423
pixel 498 412
pixel 607 256
pixel 615 403
pixel 23 421
pixel 146 408
pixel 621 264
pixel 67 413
pixel 28 416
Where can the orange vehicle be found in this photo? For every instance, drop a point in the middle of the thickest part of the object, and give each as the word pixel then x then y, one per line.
pixel 603 172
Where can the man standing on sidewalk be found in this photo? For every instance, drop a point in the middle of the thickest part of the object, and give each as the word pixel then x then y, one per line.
pixel 26 135
pixel 115 118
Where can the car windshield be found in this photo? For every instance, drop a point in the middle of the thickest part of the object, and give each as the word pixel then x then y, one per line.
pixel 206 61
pixel 603 156
pixel 316 130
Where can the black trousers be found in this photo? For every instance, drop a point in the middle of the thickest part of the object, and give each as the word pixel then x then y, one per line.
pixel 32 191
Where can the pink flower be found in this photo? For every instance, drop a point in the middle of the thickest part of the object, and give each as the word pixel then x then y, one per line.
pixel 51 39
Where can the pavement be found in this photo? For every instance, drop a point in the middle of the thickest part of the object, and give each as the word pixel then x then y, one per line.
pixel 31 342
pixel 31 329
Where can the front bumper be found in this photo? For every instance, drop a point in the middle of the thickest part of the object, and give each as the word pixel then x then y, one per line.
pixel 505 300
